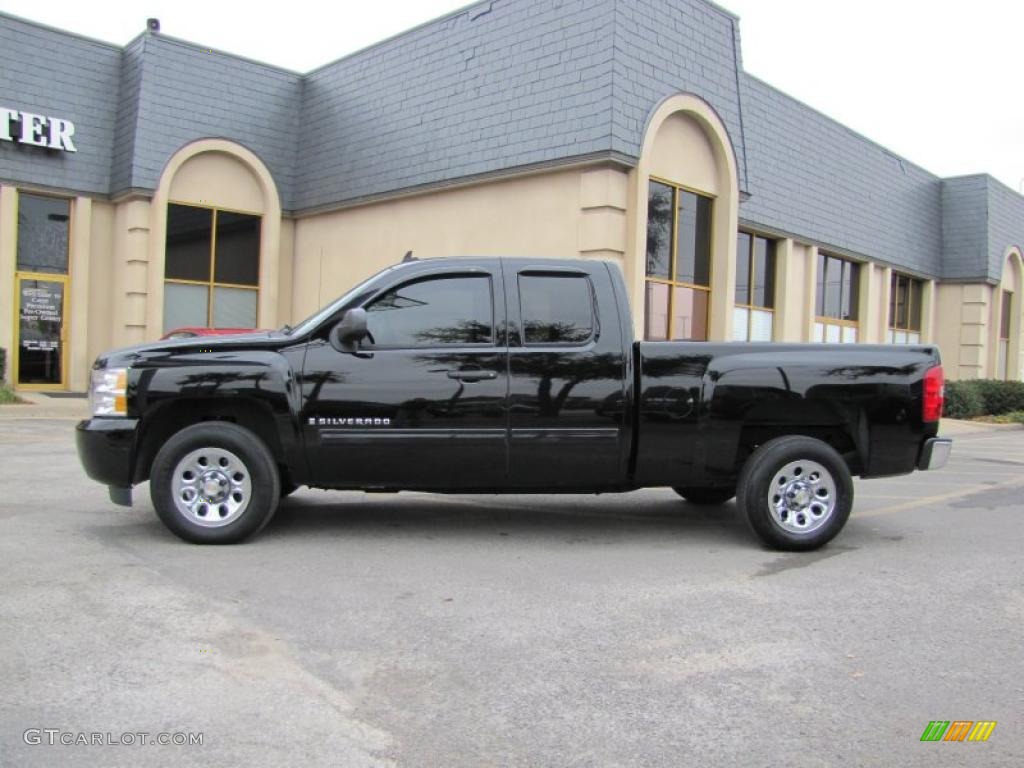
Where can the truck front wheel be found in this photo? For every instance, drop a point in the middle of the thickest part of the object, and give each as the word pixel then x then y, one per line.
pixel 214 483
pixel 796 493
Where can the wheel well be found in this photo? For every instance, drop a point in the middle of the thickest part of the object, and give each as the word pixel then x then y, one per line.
pixel 176 415
pixel 838 436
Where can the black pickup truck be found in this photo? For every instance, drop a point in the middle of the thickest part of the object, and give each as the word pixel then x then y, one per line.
pixel 504 376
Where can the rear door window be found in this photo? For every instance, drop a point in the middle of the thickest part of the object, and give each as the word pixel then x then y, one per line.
pixel 556 309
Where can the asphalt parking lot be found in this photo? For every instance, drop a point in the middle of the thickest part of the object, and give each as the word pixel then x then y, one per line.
pixel 419 630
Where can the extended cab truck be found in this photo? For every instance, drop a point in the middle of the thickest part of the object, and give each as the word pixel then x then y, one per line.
pixel 504 375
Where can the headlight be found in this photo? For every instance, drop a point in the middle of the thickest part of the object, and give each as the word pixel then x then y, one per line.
pixel 108 392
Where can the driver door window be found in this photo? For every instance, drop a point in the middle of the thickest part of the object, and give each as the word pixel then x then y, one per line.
pixel 446 311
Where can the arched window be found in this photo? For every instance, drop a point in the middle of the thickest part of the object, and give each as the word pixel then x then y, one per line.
pixel 678 263
pixel 211 268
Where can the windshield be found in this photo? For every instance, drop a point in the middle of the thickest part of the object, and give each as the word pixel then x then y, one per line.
pixel 355 296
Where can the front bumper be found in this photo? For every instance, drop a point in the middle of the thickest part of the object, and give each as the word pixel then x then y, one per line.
pixel 935 453
pixel 106 449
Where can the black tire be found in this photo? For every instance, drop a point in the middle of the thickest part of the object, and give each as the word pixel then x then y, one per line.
pixel 234 463
pixel 705 496
pixel 783 503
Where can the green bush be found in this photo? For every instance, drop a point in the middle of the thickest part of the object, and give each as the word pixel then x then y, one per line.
pixel 999 396
pixel 1017 417
pixel 963 401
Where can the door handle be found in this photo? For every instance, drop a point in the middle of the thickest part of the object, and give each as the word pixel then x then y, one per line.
pixel 471 374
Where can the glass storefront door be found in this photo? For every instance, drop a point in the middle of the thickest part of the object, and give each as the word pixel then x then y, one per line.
pixel 42 304
pixel 41 292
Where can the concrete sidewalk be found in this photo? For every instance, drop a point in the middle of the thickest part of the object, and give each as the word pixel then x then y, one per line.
pixel 43 405
pixel 957 427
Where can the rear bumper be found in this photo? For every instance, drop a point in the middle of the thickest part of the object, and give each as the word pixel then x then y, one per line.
pixel 935 453
pixel 105 448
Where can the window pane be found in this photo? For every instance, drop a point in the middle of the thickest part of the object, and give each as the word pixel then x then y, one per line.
pixel 185 306
pixel 1006 314
pixel 899 337
pixel 693 239
pixel 234 308
pixel 893 292
pixel 449 310
pixel 851 290
pixel 761 325
pixel 188 243
pixel 238 249
pixel 833 287
pixel 689 314
pixel 556 309
pixel 819 298
pixel 743 268
pixel 740 323
pixel 849 335
pixel 819 332
pixel 43 234
pixel 763 294
pixel 914 310
pixel 913 338
pixel 899 319
pixel 659 229
pixel 656 312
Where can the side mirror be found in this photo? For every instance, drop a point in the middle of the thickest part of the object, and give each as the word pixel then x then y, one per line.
pixel 347 334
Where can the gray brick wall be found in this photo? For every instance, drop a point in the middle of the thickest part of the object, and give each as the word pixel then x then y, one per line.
pixel 498 85
pixel 664 47
pixel 812 176
pixel 56 74
pixel 1005 224
pixel 189 92
pixel 127 116
pixel 501 84
pixel 965 227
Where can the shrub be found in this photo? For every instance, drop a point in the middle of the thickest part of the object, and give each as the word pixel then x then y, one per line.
pixel 999 396
pixel 1017 417
pixel 963 401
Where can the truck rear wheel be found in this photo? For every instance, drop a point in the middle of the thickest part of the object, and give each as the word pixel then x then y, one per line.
pixel 706 495
pixel 214 483
pixel 796 493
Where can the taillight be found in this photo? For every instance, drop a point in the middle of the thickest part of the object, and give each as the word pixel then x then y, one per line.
pixel 934 393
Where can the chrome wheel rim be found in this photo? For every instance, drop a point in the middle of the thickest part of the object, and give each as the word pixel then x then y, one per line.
pixel 211 487
pixel 802 497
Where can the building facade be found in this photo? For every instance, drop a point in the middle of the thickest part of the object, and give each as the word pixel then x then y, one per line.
pixel 164 184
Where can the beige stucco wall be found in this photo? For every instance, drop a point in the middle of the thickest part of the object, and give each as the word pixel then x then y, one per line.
pixel 682 152
pixel 101 279
pixel 217 180
pixel 794 276
pixel 76 324
pixel 8 265
pixel 961 329
pixel 567 213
